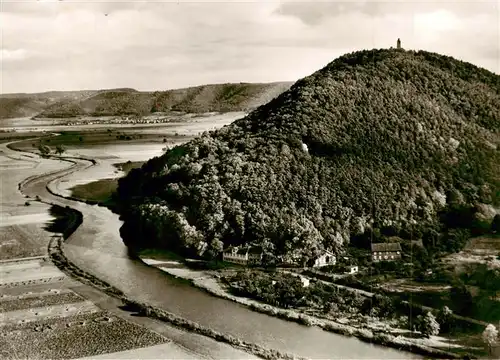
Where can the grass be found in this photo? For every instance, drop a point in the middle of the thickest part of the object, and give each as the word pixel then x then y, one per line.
pixel 486 244
pixel 90 137
pixel 75 337
pixel 14 136
pixel 101 191
pixel 39 301
pixel 129 165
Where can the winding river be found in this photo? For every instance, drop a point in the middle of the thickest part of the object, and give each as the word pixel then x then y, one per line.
pixel 96 247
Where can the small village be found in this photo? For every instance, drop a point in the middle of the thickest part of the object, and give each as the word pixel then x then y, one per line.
pixel 130 119
pixel 342 291
pixel 252 255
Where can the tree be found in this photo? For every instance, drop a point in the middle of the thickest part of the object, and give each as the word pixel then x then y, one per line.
pixel 44 150
pixel 216 247
pixel 427 325
pixel 445 318
pixel 495 224
pixel 490 335
pixel 462 298
pixel 60 149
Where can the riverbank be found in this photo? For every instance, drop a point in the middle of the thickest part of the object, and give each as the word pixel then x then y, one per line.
pixel 368 336
pixel 207 281
pixel 56 253
pixel 43 312
pixel 256 340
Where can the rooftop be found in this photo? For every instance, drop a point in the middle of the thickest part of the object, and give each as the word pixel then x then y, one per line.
pixel 245 249
pixel 382 247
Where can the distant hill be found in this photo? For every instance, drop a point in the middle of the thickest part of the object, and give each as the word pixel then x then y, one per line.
pixel 23 105
pixel 207 98
pixel 378 143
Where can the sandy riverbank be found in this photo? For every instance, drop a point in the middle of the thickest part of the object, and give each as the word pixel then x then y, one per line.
pixel 48 333
pixel 56 253
pixel 210 284
pixel 207 281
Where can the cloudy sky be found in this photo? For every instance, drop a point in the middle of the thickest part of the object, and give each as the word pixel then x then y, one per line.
pixel 162 44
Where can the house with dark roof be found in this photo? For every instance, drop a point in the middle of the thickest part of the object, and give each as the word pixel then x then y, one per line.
pixel 386 252
pixel 243 255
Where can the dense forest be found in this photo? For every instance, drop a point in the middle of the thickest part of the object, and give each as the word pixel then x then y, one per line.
pixel 378 143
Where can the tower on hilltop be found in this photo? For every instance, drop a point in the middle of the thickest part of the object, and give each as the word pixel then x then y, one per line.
pixel 398 44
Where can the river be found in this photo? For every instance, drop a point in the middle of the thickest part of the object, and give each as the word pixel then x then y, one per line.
pixel 96 246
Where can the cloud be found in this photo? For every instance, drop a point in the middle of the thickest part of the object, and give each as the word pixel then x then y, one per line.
pixel 153 44
pixel 314 12
pixel 13 55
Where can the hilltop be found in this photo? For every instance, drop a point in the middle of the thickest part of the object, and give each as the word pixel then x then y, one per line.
pixel 377 143
pixel 125 101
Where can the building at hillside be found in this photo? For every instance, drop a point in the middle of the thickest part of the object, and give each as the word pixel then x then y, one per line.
pixel 243 255
pixel 386 252
pixel 351 269
pixel 326 258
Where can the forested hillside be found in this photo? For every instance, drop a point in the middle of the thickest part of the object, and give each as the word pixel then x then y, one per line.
pixel 399 142
pixel 24 105
pixel 113 102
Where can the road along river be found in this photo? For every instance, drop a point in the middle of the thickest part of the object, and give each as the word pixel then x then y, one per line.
pixel 97 248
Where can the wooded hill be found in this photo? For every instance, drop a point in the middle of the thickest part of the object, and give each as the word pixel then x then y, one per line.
pixel 399 142
pixel 199 99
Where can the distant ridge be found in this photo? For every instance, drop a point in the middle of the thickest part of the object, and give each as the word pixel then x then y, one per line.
pixel 128 101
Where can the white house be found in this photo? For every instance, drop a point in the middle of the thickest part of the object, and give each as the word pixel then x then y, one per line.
pixel 326 258
pixel 352 269
pixel 243 255
pixel 305 281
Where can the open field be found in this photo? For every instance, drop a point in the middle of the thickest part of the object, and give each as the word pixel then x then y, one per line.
pixel 101 190
pixel 58 311
pixel 23 296
pixel 90 137
pixel 7 136
pixel 488 245
pixel 22 240
pixel 74 336
pixel 39 300
pixel 41 317
pixel 173 350
pixel 21 219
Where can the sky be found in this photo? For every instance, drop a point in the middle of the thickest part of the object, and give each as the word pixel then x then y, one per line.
pixel 159 45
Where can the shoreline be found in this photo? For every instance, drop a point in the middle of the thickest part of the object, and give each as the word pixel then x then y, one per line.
pixel 203 279
pixel 58 258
